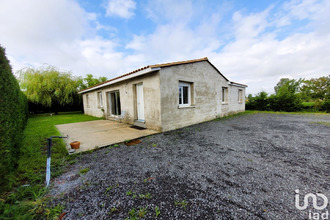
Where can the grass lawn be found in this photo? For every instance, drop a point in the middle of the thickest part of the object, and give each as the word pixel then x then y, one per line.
pixel 26 200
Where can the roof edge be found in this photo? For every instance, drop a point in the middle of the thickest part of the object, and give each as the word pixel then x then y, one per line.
pixel 152 68
pixel 238 84
pixel 130 75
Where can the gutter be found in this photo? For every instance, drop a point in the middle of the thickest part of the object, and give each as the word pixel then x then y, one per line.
pixel 120 79
pixel 237 84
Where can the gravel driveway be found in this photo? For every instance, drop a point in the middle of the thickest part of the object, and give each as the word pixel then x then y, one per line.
pixel 244 167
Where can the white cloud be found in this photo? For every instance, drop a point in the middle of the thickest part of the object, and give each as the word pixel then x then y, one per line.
pixel 260 58
pixel 120 8
pixel 59 33
pixel 256 55
pixel 253 48
pixel 163 11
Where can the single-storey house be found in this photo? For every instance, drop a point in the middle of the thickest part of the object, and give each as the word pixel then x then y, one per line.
pixel 166 96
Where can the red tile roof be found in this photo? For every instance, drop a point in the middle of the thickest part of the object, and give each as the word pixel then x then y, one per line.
pixel 157 66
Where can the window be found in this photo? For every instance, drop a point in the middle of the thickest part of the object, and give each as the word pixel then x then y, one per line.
pixel 240 95
pixel 184 94
pixel 87 101
pixel 99 99
pixel 115 103
pixel 224 95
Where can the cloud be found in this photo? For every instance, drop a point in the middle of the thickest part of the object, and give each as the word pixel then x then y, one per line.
pixel 59 33
pixel 260 57
pixel 120 8
pixel 259 51
pixel 171 11
pixel 290 39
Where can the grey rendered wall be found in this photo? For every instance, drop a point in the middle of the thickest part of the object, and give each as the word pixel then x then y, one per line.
pixel 151 93
pixel 234 106
pixel 207 87
pixel 93 108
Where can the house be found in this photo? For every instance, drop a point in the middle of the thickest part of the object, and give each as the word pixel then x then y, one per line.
pixel 166 96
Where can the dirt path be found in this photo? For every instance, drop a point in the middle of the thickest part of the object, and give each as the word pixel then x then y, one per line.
pixel 245 167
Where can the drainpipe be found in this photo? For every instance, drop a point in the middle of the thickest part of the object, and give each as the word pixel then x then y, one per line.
pixel 48 157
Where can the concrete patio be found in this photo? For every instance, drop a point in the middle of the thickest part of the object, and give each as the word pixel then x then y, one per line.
pixel 100 133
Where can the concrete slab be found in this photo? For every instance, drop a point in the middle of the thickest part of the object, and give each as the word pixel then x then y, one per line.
pixel 100 133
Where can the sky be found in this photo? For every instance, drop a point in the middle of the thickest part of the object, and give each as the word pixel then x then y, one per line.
pixel 251 42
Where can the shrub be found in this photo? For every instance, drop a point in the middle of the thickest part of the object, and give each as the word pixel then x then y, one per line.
pixel 13 118
pixel 287 102
pixel 326 106
pixel 259 102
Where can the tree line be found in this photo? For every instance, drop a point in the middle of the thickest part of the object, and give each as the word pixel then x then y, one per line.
pixel 294 95
pixel 51 90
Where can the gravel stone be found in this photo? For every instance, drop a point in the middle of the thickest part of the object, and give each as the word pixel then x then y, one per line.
pixel 244 167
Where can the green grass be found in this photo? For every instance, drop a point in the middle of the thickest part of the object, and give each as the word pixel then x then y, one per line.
pixel 84 171
pixel 234 115
pixel 26 200
pixel 183 203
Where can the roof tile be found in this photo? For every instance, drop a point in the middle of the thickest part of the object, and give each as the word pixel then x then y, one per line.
pixel 146 67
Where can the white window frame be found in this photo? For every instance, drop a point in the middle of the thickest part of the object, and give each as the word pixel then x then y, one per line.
pixel 224 95
pixel 181 85
pixel 240 95
pixel 100 99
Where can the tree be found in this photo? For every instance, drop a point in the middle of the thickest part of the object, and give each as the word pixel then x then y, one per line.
pixel 259 102
pixel 48 86
pixel 280 84
pixel 13 117
pixel 316 88
pixel 89 81
pixel 287 97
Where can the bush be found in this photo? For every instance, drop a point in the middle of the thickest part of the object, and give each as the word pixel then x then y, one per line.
pixel 326 106
pixel 286 102
pixel 13 118
pixel 259 102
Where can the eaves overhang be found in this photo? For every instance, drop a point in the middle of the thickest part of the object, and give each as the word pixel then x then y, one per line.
pixel 120 79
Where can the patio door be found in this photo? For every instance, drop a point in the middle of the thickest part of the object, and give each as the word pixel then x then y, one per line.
pixel 114 107
pixel 139 102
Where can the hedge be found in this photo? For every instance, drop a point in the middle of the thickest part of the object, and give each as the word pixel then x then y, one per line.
pixel 13 118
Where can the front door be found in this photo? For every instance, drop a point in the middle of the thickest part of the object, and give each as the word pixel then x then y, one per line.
pixel 139 102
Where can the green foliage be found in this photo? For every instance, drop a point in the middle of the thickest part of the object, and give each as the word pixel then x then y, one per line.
pixel 258 102
pixel 294 95
pixel 84 171
pixel 27 197
pixel 183 203
pixel 282 82
pixel 286 98
pixel 316 88
pixel 48 86
pixel 90 80
pixel 326 106
pixel 157 211
pixel 145 196
pixel 13 117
